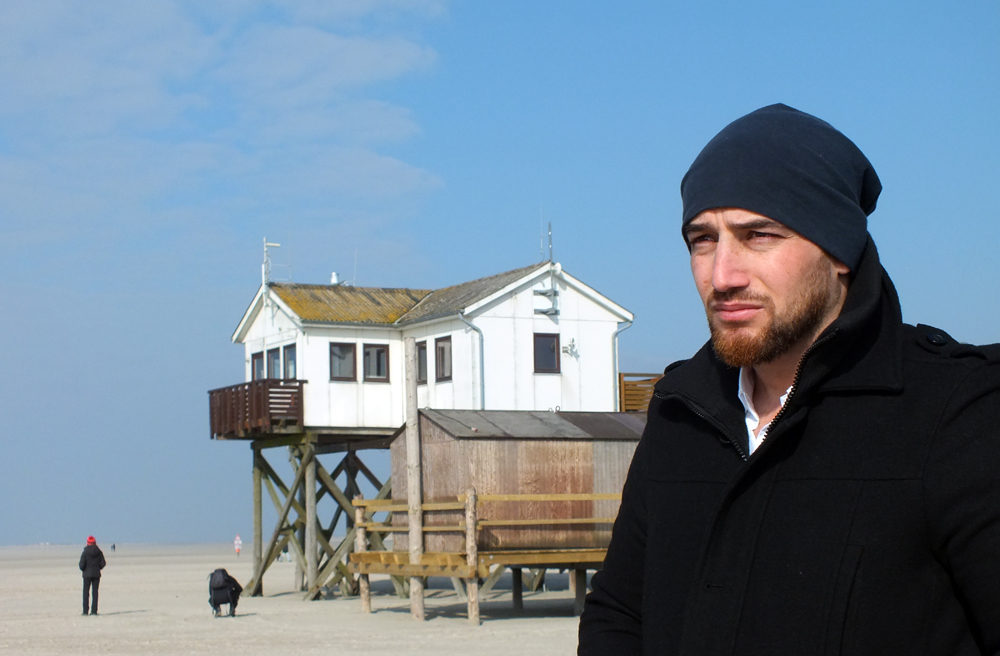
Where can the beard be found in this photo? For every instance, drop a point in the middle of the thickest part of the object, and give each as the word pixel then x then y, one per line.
pixel 746 347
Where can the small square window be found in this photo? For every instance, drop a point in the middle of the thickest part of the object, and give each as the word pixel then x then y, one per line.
pixel 342 362
pixel 376 365
pixel 442 358
pixel 257 366
pixel 290 362
pixel 421 362
pixel 546 353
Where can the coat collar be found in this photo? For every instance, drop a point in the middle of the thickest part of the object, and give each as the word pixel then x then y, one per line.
pixel 860 351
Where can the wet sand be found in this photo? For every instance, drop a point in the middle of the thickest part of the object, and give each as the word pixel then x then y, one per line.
pixel 154 600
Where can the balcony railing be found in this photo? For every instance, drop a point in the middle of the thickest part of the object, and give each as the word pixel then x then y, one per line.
pixel 256 408
pixel 635 391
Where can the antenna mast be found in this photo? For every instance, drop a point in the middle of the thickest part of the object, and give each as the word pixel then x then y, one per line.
pixel 550 241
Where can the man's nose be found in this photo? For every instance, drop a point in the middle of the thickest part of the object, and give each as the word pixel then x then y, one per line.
pixel 728 267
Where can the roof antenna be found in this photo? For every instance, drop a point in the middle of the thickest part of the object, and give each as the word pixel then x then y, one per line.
pixel 550 241
pixel 541 233
pixel 265 269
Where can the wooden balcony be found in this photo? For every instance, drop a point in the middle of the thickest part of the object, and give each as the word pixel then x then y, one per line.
pixel 635 391
pixel 256 409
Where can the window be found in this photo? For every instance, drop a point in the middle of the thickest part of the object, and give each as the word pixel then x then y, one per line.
pixel 546 353
pixel 377 362
pixel 257 366
pixel 342 362
pixel 290 362
pixel 442 358
pixel 274 363
pixel 421 362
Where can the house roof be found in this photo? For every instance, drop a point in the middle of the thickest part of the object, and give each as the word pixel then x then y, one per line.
pixel 451 300
pixel 507 424
pixel 343 304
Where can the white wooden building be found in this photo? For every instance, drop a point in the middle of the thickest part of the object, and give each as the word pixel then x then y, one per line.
pixel 534 338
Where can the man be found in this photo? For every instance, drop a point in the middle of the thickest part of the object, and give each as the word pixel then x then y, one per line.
pixel 819 478
pixel 91 563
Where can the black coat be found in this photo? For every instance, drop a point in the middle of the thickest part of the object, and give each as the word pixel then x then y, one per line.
pixel 92 562
pixel 868 521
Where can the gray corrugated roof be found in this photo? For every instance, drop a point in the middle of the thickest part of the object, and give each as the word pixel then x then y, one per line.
pixel 451 300
pixel 493 424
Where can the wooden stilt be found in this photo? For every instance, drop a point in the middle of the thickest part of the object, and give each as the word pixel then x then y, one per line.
pixel 580 593
pixel 258 527
pixel 296 457
pixel 492 579
pixel 360 546
pixel 472 555
pixel 517 587
pixel 572 582
pixel 414 496
pixel 310 544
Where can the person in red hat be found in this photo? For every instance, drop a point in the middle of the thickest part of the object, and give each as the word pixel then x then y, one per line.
pixel 91 563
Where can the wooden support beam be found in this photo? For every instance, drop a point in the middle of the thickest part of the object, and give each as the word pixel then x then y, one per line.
pixel 312 551
pixel 361 467
pixel 297 454
pixel 258 524
pixel 492 579
pixel 472 556
pixel 282 516
pixel 536 578
pixel 414 491
pixel 580 590
pixel 517 587
pixel 361 546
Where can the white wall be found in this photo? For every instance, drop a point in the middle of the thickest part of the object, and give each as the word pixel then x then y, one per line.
pixel 586 381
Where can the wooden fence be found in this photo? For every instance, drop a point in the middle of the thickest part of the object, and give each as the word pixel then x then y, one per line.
pixel 258 407
pixel 635 391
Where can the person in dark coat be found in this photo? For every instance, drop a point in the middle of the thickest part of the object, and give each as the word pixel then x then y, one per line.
pixel 91 563
pixel 820 478
pixel 223 589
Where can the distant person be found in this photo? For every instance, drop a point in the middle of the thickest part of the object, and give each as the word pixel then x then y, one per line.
pixel 223 589
pixel 238 544
pixel 91 563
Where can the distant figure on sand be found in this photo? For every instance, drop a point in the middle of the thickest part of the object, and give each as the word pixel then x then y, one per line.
pixel 223 589
pixel 238 543
pixel 91 563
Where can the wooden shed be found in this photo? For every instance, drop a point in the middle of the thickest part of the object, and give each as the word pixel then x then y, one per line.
pixel 521 453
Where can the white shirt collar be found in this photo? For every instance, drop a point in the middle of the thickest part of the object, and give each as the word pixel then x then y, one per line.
pixel 745 394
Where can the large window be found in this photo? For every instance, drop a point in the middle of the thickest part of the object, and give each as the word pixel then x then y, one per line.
pixel 376 366
pixel 546 353
pixel 257 366
pixel 342 362
pixel 442 358
pixel 290 370
pixel 421 362
pixel 274 363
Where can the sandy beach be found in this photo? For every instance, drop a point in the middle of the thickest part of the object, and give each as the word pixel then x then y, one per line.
pixel 153 600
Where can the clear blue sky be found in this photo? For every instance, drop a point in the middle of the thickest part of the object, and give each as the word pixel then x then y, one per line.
pixel 147 148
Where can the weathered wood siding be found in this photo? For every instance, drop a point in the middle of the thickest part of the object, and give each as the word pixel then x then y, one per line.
pixel 515 466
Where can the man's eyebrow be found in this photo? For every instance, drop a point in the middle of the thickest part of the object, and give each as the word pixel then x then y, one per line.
pixel 694 226
pixel 757 224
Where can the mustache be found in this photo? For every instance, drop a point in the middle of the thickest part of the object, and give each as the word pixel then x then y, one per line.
pixel 737 296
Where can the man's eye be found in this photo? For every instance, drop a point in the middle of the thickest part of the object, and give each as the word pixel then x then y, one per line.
pixel 755 234
pixel 698 239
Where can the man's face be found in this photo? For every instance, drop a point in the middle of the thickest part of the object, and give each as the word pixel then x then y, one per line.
pixel 766 289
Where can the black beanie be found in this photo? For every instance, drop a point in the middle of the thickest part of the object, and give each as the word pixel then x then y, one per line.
pixel 791 167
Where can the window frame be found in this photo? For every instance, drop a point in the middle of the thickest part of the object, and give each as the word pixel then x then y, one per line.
pixel 267 362
pixel 284 362
pixel 364 370
pixel 438 377
pixel 354 362
pixel 255 358
pixel 558 354
pixel 422 349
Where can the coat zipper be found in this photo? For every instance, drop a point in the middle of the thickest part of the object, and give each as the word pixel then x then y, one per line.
pixel 795 380
pixel 697 410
